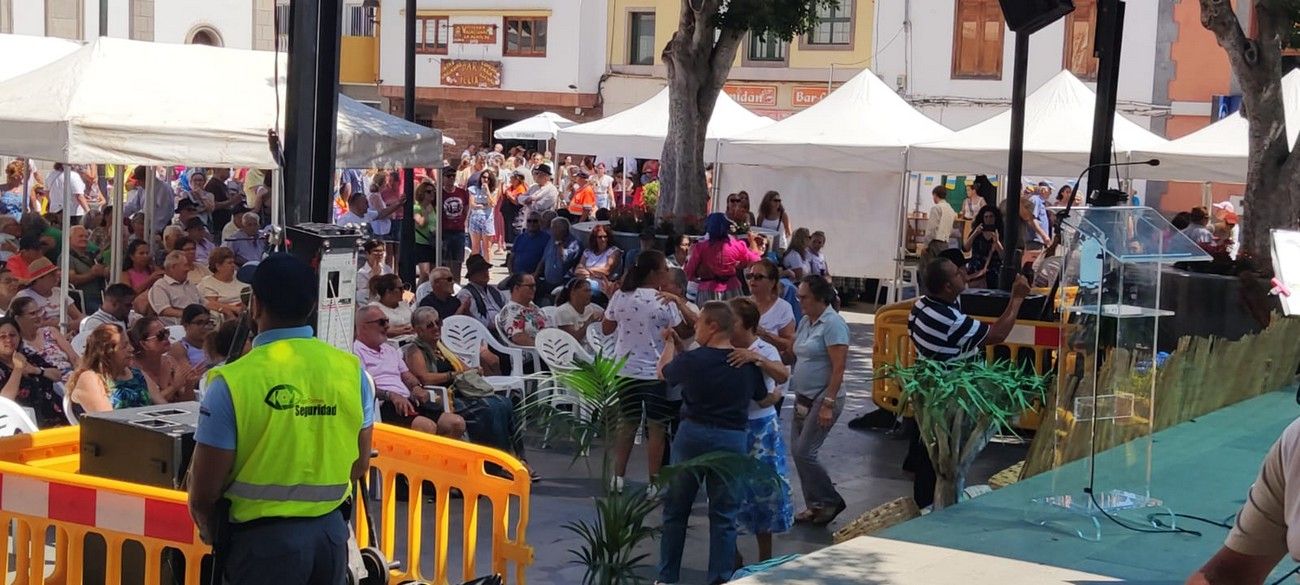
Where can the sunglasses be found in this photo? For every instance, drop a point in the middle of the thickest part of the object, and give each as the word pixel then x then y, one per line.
pixel 202 322
pixel 432 325
pixel 735 201
pixel 379 322
pixel 163 335
pixel 753 276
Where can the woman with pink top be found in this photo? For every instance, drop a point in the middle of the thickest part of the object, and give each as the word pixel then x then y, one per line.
pixel 717 261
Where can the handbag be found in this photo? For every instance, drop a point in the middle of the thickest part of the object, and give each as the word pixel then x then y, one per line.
pixel 471 385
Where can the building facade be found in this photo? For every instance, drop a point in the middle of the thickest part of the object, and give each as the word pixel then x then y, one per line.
pixel 771 77
pixel 952 59
pixel 483 64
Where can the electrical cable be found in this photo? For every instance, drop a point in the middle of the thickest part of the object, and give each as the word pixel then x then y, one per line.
pixel 1155 520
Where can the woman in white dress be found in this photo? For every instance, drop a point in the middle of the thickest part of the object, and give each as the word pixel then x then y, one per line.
pixel 772 216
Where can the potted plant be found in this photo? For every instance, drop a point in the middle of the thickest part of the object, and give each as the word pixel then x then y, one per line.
pixel 593 410
pixel 959 406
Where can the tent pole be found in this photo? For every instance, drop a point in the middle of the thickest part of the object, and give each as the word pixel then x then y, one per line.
pixel 65 257
pixel 115 256
pixel 27 183
pixel 900 251
pixel 146 201
pixel 277 198
pixel 437 213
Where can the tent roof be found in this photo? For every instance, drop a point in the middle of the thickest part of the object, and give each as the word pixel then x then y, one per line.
pixel 543 126
pixel 861 126
pixel 60 112
pixel 640 131
pixel 1058 135
pixel 1218 152
pixel 28 53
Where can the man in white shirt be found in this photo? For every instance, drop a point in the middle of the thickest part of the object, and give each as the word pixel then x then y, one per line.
pixel 359 212
pixel 58 178
pixel 938 225
pixel 163 200
pixel 542 196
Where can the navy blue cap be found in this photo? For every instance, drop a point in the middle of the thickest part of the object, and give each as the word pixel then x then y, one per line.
pixel 283 284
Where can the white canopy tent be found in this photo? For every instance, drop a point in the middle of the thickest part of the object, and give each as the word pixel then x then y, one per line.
pixel 26 53
pixel 1218 152
pixel 640 131
pixel 1058 136
pixel 543 126
pixel 60 112
pixel 842 163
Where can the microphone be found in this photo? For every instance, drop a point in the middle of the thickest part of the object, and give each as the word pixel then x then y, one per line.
pixel 1154 162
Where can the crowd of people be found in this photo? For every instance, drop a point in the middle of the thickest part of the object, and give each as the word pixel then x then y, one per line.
pixel 147 336
pixel 752 294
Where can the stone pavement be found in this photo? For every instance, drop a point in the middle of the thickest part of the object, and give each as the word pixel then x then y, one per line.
pixel 866 466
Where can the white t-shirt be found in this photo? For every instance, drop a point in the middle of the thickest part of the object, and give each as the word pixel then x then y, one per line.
pixel 604 188
pixel 776 317
pixel 49 305
pixel 56 191
pixel 378 227
pixel 567 316
pixel 816 263
pixel 1269 522
pixel 641 319
pixel 352 218
pixel 795 261
pixel 769 352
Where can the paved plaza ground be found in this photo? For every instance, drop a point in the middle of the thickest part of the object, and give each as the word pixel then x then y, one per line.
pixel 866 466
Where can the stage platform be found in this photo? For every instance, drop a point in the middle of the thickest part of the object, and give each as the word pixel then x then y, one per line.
pixel 1203 467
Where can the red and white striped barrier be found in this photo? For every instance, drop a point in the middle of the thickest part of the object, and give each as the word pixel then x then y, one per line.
pixel 111 511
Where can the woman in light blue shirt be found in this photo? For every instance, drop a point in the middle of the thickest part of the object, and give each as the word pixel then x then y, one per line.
pixel 821 345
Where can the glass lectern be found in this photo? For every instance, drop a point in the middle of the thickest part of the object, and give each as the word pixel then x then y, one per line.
pixel 1105 387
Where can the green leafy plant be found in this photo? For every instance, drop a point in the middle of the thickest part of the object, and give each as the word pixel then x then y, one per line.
pixel 959 406
pixel 610 541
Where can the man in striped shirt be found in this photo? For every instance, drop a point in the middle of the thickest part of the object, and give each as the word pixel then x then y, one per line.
pixel 940 331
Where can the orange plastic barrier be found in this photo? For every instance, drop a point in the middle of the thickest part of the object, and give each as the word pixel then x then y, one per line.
pixel 1033 342
pixel 45 500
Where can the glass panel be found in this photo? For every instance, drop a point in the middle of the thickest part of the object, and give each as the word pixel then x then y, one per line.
pixel 512 36
pixel 1105 393
pixel 539 43
pixel 841 36
pixel 443 31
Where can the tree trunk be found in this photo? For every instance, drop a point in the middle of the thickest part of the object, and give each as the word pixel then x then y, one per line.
pixel 697 68
pixel 1273 170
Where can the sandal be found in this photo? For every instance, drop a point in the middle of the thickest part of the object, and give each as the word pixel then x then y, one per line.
pixel 806 515
pixel 827 515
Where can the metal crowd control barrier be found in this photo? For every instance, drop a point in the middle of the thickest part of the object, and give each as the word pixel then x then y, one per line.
pixel 50 513
pixel 1030 342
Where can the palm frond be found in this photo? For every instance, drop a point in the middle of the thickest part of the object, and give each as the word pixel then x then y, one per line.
pixel 998 390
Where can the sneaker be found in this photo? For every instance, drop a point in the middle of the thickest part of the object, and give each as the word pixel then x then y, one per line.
pixel 616 484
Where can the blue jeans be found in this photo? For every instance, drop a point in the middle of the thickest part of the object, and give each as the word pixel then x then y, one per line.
pixel 693 440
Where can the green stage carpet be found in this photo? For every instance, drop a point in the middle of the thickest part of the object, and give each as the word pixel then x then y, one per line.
pixel 1202 467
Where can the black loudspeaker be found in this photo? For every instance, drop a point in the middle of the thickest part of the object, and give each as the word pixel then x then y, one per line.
pixel 1028 16
pixel 150 445
pixel 983 302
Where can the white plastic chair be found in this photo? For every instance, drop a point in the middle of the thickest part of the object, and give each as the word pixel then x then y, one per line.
pixel 530 353
pixel 549 313
pixel 465 336
pixel 599 342
pixel 177 332
pixel 560 352
pixel 67 409
pixel 13 419
pixel 79 342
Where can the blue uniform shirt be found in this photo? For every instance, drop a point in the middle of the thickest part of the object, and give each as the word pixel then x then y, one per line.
pixel 217 414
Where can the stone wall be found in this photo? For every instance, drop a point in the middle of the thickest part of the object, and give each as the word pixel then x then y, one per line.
pixel 142 20
pixel 63 19
pixel 264 25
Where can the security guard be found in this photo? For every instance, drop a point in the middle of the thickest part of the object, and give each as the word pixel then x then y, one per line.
pixel 282 434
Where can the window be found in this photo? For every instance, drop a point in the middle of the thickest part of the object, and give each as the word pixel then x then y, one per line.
pixel 977 40
pixel 525 37
pixel 1080 32
pixel 432 33
pixel 767 48
pixel 282 26
pixel 641 41
pixel 834 25
pixel 357 21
